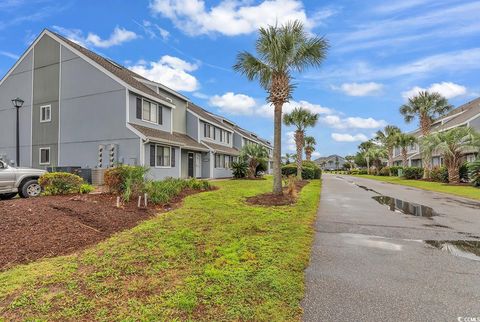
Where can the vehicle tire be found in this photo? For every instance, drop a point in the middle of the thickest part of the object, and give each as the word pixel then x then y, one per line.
pixel 7 196
pixel 29 189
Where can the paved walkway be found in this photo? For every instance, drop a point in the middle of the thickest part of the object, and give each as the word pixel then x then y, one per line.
pixel 370 261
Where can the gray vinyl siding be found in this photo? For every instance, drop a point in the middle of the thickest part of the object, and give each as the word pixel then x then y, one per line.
pixel 237 141
pixel 92 113
pixel 17 84
pixel 217 136
pixel 222 173
pixel 166 116
pixel 45 92
pixel 179 112
pixel 475 123
pixel 162 173
pixel 192 126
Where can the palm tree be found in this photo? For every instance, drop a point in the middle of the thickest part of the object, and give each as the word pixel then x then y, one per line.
pixel 387 138
pixel 364 147
pixel 337 162
pixel 404 140
pixel 301 118
pixel 254 154
pixel 426 107
pixel 287 158
pixel 281 50
pixel 309 147
pixel 451 145
pixel 375 154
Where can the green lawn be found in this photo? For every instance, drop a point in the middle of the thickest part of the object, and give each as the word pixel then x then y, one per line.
pixel 215 258
pixel 462 191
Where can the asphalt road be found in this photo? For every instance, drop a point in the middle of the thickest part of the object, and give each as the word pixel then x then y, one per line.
pixel 370 261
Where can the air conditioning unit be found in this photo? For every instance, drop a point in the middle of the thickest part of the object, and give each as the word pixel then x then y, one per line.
pixel 101 155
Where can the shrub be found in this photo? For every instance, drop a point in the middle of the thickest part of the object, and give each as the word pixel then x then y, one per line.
pixel 127 180
pixel 309 170
pixel 385 172
pixel 414 173
pixel 160 192
pixel 474 172
pixel 262 167
pixel 240 169
pixel 394 170
pixel 464 177
pixel 86 188
pixel 60 183
pixel 439 174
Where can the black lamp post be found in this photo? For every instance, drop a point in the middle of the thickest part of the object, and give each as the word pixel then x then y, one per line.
pixel 18 102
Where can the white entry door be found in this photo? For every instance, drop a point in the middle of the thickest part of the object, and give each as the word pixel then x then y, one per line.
pixel 198 165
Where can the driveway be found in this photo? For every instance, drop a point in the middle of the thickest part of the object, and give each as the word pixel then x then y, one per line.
pixel 380 259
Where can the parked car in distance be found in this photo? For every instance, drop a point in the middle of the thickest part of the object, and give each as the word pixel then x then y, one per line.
pixel 23 181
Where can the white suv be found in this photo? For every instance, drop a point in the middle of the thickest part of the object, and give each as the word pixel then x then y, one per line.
pixel 23 181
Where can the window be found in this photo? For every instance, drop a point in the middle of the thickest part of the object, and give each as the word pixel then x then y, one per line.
pixel 150 112
pixel 45 113
pixel 162 158
pixel 44 156
pixel 207 130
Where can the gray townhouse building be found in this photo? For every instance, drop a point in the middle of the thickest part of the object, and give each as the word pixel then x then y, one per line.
pixel 332 162
pixel 465 115
pixel 81 109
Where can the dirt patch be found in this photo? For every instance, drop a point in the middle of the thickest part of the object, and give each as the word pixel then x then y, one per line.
pixel 36 228
pixel 270 199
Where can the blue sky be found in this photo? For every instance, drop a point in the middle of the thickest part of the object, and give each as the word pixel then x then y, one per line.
pixel 381 53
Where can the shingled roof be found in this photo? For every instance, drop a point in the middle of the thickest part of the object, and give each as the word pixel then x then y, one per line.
pixel 217 148
pixel 118 70
pixel 206 115
pixel 175 138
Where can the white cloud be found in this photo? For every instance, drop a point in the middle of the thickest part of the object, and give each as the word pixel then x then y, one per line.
pixel 236 104
pixel 9 54
pixel 344 137
pixel 291 146
pixel 338 122
pixel 118 36
pixel 152 30
pixel 360 89
pixel 233 17
pixel 316 154
pixel 170 71
pixel 267 110
pixel 447 89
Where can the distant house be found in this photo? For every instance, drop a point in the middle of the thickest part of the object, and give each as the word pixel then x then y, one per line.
pixel 82 109
pixel 332 162
pixel 465 115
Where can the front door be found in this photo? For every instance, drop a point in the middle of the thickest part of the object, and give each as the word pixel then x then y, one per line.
pixel 198 165
pixel 190 165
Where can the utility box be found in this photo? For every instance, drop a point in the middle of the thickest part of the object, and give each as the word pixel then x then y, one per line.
pixel 98 176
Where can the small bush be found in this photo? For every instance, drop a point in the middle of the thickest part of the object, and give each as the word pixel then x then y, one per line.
pixel 127 180
pixel 261 168
pixel 394 170
pixel 464 177
pixel 160 192
pixel 439 174
pixel 86 188
pixel 413 173
pixel 309 170
pixel 474 172
pixel 240 169
pixel 60 183
pixel 385 172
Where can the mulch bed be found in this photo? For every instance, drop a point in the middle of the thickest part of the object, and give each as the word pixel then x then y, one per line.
pixel 270 199
pixel 50 226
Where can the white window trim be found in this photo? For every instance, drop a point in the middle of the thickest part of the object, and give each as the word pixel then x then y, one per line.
pixel 49 114
pixel 170 160
pixel 40 156
pixel 158 106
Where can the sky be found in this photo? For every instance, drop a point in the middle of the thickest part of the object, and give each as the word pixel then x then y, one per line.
pixel 381 53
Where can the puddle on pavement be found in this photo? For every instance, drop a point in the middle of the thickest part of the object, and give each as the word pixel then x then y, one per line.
pixel 372 241
pixel 404 207
pixel 461 248
pixel 437 225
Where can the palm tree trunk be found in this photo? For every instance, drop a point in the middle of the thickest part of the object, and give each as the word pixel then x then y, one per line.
pixel 453 168
pixel 368 165
pixel 404 157
pixel 425 124
pixel 390 157
pixel 299 143
pixel 308 154
pixel 277 149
